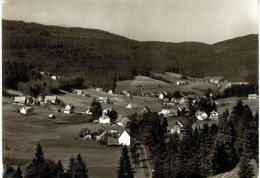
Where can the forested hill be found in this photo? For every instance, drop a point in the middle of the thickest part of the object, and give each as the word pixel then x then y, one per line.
pixel 102 58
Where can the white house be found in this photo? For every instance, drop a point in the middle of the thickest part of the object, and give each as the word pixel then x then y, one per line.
pixel 69 109
pixel 214 115
pixel 107 110
pixel 51 116
pixel 99 89
pixel 168 112
pixel 216 81
pixel 54 77
pixel 110 92
pixel 163 95
pixel 103 99
pixel 89 111
pixel 124 139
pixel 146 110
pixel 79 92
pixel 180 82
pixel 200 115
pixel 27 110
pixel 131 106
pixel 252 96
pixel 104 119
pixel 20 100
pixel 52 99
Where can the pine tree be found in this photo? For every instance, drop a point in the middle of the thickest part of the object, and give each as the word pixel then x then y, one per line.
pixel 246 170
pixel 18 173
pixel 60 169
pixel 96 109
pixel 39 155
pixel 81 168
pixel 125 170
pixel 72 167
pixel 164 124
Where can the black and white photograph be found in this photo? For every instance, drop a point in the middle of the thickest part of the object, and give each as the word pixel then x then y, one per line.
pixel 130 88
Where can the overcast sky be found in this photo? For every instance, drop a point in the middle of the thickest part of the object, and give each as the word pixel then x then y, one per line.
pixel 206 21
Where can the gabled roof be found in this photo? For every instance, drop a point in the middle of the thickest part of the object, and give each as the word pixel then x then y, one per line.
pixel 20 99
pixel 104 117
pixel 68 107
pixel 50 98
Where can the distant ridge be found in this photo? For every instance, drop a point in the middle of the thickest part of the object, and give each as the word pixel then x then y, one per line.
pixel 96 54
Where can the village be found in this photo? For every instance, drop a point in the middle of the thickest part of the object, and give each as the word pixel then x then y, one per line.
pixel 111 127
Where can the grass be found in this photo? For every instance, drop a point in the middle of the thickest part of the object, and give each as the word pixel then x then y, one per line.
pixel 21 134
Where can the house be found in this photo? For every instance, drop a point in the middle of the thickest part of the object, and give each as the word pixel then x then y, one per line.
pixel 110 92
pixel 54 77
pixel 180 82
pixel 177 127
pixel 27 110
pixel 89 111
pixel 211 80
pixel 124 138
pixel 122 121
pixel 146 110
pixel 103 100
pixel 131 106
pixel 107 111
pixel 68 109
pixel 163 95
pixel 252 96
pixel 168 112
pixel 99 89
pixel 79 92
pixel 200 115
pixel 183 100
pixel 20 100
pixel 125 92
pixel 51 99
pixel 214 115
pixel 30 101
pixel 104 119
pixel 51 116
pixel 216 81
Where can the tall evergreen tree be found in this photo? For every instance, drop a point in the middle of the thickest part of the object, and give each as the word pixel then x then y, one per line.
pixel 125 170
pixel 60 170
pixel 96 109
pixel 39 155
pixel 81 168
pixel 72 167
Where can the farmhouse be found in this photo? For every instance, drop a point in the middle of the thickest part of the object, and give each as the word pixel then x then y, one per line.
pixel 114 128
pixel 99 89
pixel 103 99
pixel 40 99
pixel 177 127
pixel 124 138
pixel 110 92
pixel 51 99
pixel 131 106
pixel 146 110
pixel 79 92
pixel 27 110
pixel 163 95
pixel 107 111
pixel 181 82
pixel 69 109
pixel 213 115
pixel 51 116
pixel 200 115
pixel 20 100
pixel 252 96
pixel 104 119
pixel 89 111
pixel 122 121
pixel 168 112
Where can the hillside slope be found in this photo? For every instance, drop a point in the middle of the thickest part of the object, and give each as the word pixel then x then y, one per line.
pixel 101 57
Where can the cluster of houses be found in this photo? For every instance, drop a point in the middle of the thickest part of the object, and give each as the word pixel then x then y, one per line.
pixel 53 77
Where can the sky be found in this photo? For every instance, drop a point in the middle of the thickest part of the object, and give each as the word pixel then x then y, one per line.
pixel 207 21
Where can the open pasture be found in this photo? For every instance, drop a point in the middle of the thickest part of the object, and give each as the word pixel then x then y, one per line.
pixel 21 134
pixel 229 103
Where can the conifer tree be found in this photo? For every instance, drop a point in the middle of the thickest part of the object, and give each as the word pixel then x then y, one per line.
pixel 60 169
pixel 81 168
pixel 72 167
pixel 39 155
pixel 96 109
pixel 125 170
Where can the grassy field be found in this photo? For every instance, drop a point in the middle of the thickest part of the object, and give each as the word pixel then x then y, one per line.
pixel 229 103
pixel 21 134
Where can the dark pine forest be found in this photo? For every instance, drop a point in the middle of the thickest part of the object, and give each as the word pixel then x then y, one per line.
pixel 98 58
